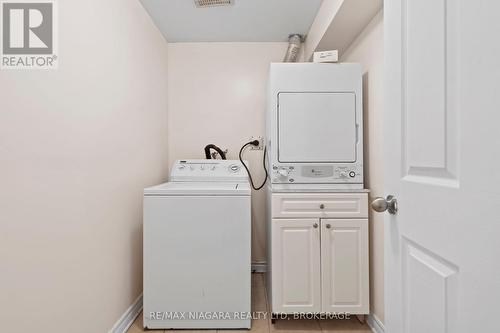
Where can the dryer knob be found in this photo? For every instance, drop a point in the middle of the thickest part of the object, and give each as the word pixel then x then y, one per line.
pixel 283 172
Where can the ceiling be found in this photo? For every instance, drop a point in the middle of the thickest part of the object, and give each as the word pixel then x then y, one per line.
pixel 243 21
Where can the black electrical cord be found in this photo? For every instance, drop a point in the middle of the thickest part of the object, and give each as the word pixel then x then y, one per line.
pixel 254 143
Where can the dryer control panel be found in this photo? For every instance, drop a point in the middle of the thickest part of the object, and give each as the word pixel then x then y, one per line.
pixel 208 171
pixel 321 173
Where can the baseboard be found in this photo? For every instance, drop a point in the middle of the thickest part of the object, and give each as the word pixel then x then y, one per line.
pixel 259 267
pixel 127 319
pixel 375 324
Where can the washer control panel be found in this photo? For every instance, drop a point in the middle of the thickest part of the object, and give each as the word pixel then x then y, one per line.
pixel 317 174
pixel 208 170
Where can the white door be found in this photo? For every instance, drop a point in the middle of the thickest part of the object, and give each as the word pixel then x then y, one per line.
pixel 443 165
pixel 296 265
pixel 344 266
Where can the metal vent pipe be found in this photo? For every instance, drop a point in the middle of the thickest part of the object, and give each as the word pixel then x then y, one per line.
pixel 294 44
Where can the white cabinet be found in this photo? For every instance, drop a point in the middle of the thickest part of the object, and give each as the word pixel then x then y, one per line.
pixel 323 205
pixel 296 248
pixel 344 265
pixel 319 257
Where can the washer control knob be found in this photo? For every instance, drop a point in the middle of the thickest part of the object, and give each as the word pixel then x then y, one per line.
pixel 234 167
pixel 283 172
pixel 352 174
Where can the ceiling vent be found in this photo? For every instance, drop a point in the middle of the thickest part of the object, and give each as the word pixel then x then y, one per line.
pixel 212 3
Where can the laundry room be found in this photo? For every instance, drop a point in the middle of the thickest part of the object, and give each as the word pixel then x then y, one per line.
pixel 269 166
pixel 219 91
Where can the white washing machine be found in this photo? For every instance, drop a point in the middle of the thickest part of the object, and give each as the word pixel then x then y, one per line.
pixel 197 233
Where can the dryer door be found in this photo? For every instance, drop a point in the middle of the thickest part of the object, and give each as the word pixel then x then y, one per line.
pixel 317 127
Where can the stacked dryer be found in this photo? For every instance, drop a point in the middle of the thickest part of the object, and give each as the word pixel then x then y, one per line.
pixel 317 205
pixel 315 126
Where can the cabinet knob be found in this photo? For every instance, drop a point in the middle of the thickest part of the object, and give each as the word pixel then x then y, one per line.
pixel 328 226
pixel 321 206
pixel 315 225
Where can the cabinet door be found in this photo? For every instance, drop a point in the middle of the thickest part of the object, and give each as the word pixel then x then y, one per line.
pixel 344 262
pixel 296 265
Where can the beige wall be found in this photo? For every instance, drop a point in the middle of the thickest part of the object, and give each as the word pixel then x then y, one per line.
pixel 368 50
pixel 322 21
pixel 217 94
pixel 77 146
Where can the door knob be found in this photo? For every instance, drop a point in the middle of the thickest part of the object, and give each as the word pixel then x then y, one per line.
pixel 315 225
pixel 381 205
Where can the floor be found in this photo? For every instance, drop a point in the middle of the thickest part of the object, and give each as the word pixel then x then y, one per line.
pixel 259 303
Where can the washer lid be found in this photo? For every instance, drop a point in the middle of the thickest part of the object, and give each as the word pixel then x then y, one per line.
pixel 198 188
